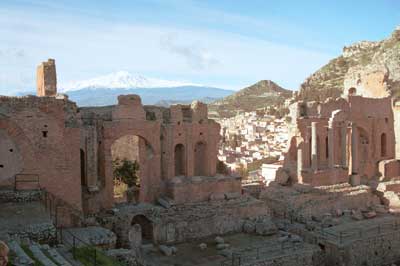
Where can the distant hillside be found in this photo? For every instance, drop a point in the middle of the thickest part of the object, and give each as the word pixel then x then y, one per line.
pixel 99 97
pixel 149 96
pixel 167 103
pixel 363 65
pixel 260 95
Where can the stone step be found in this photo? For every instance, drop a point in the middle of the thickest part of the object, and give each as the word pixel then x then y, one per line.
pixel 67 255
pixel 391 199
pixel 40 256
pixel 21 258
pixel 56 256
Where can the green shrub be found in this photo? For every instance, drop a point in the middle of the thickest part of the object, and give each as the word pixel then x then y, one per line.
pixel 126 170
pixel 86 256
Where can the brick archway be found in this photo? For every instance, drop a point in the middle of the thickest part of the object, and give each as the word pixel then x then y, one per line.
pixel 18 148
pixel 147 130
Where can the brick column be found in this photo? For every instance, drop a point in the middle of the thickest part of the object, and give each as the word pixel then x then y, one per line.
pixel 344 145
pixel 354 149
pixel 331 144
pixel 300 163
pixel 314 155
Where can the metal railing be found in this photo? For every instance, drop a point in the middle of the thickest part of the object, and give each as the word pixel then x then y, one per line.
pixel 26 179
pixel 74 243
pixel 55 206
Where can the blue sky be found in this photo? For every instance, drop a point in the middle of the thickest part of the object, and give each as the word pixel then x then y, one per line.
pixel 222 43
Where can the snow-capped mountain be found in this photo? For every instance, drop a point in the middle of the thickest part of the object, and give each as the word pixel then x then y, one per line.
pixel 122 80
pixel 104 90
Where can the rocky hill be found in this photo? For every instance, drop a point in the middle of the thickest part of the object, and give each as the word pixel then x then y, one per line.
pixel 373 68
pixel 260 95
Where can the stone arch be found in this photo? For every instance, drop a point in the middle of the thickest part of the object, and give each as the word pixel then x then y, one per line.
pixel 20 152
pixel 11 162
pixel 180 160
pixel 363 145
pixel 150 187
pixel 200 159
pixel 133 148
pixel 326 147
pixel 83 167
pixel 383 145
pixel 146 225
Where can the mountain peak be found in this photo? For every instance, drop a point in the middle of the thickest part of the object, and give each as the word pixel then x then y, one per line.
pixel 122 80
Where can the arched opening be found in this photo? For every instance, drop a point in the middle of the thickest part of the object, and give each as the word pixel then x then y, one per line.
pixel 146 226
pixel 11 162
pixel 200 159
pixel 362 150
pixel 352 91
pixel 309 151
pixel 318 151
pixel 131 159
pixel 383 145
pixel 180 162
pixel 326 147
pixel 83 168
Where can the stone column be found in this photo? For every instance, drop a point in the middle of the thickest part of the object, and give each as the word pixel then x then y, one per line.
pixel 299 163
pixel 314 155
pixel 135 236
pixel 331 144
pixel 344 145
pixel 354 148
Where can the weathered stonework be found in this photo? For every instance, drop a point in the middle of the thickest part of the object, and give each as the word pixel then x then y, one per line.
pixel 46 78
pixel 340 140
pixel 69 151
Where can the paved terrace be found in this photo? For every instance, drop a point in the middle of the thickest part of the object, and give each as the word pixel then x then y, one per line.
pixel 246 249
pixel 347 233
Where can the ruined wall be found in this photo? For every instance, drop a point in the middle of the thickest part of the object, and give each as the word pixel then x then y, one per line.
pixel 46 78
pixel 72 150
pixel 46 136
pixel 186 222
pixel 195 189
pixel 352 134
pixel 159 131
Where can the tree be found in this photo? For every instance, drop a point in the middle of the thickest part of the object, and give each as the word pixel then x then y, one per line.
pixel 222 168
pixel 126 171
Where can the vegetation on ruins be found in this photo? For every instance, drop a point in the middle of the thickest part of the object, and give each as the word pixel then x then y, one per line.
pixel 126 171
pixel 85 256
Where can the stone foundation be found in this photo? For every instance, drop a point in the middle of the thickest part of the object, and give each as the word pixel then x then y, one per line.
pixel 199 188
pixel 186 222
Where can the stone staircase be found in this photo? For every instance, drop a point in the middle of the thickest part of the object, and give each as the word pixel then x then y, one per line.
pixel 36 254
pixel 389 193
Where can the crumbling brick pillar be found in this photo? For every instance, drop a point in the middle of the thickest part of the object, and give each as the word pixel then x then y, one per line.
pixel 331 144
pixel 300 163
pixel 46 79
pixel 343 144
pixel 354 149
pixel 314 149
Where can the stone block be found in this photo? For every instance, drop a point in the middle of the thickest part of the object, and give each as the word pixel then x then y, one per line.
pixel 167 251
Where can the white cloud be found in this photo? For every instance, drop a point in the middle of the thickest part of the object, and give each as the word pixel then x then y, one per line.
pixel 197 57
pixel 85 48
